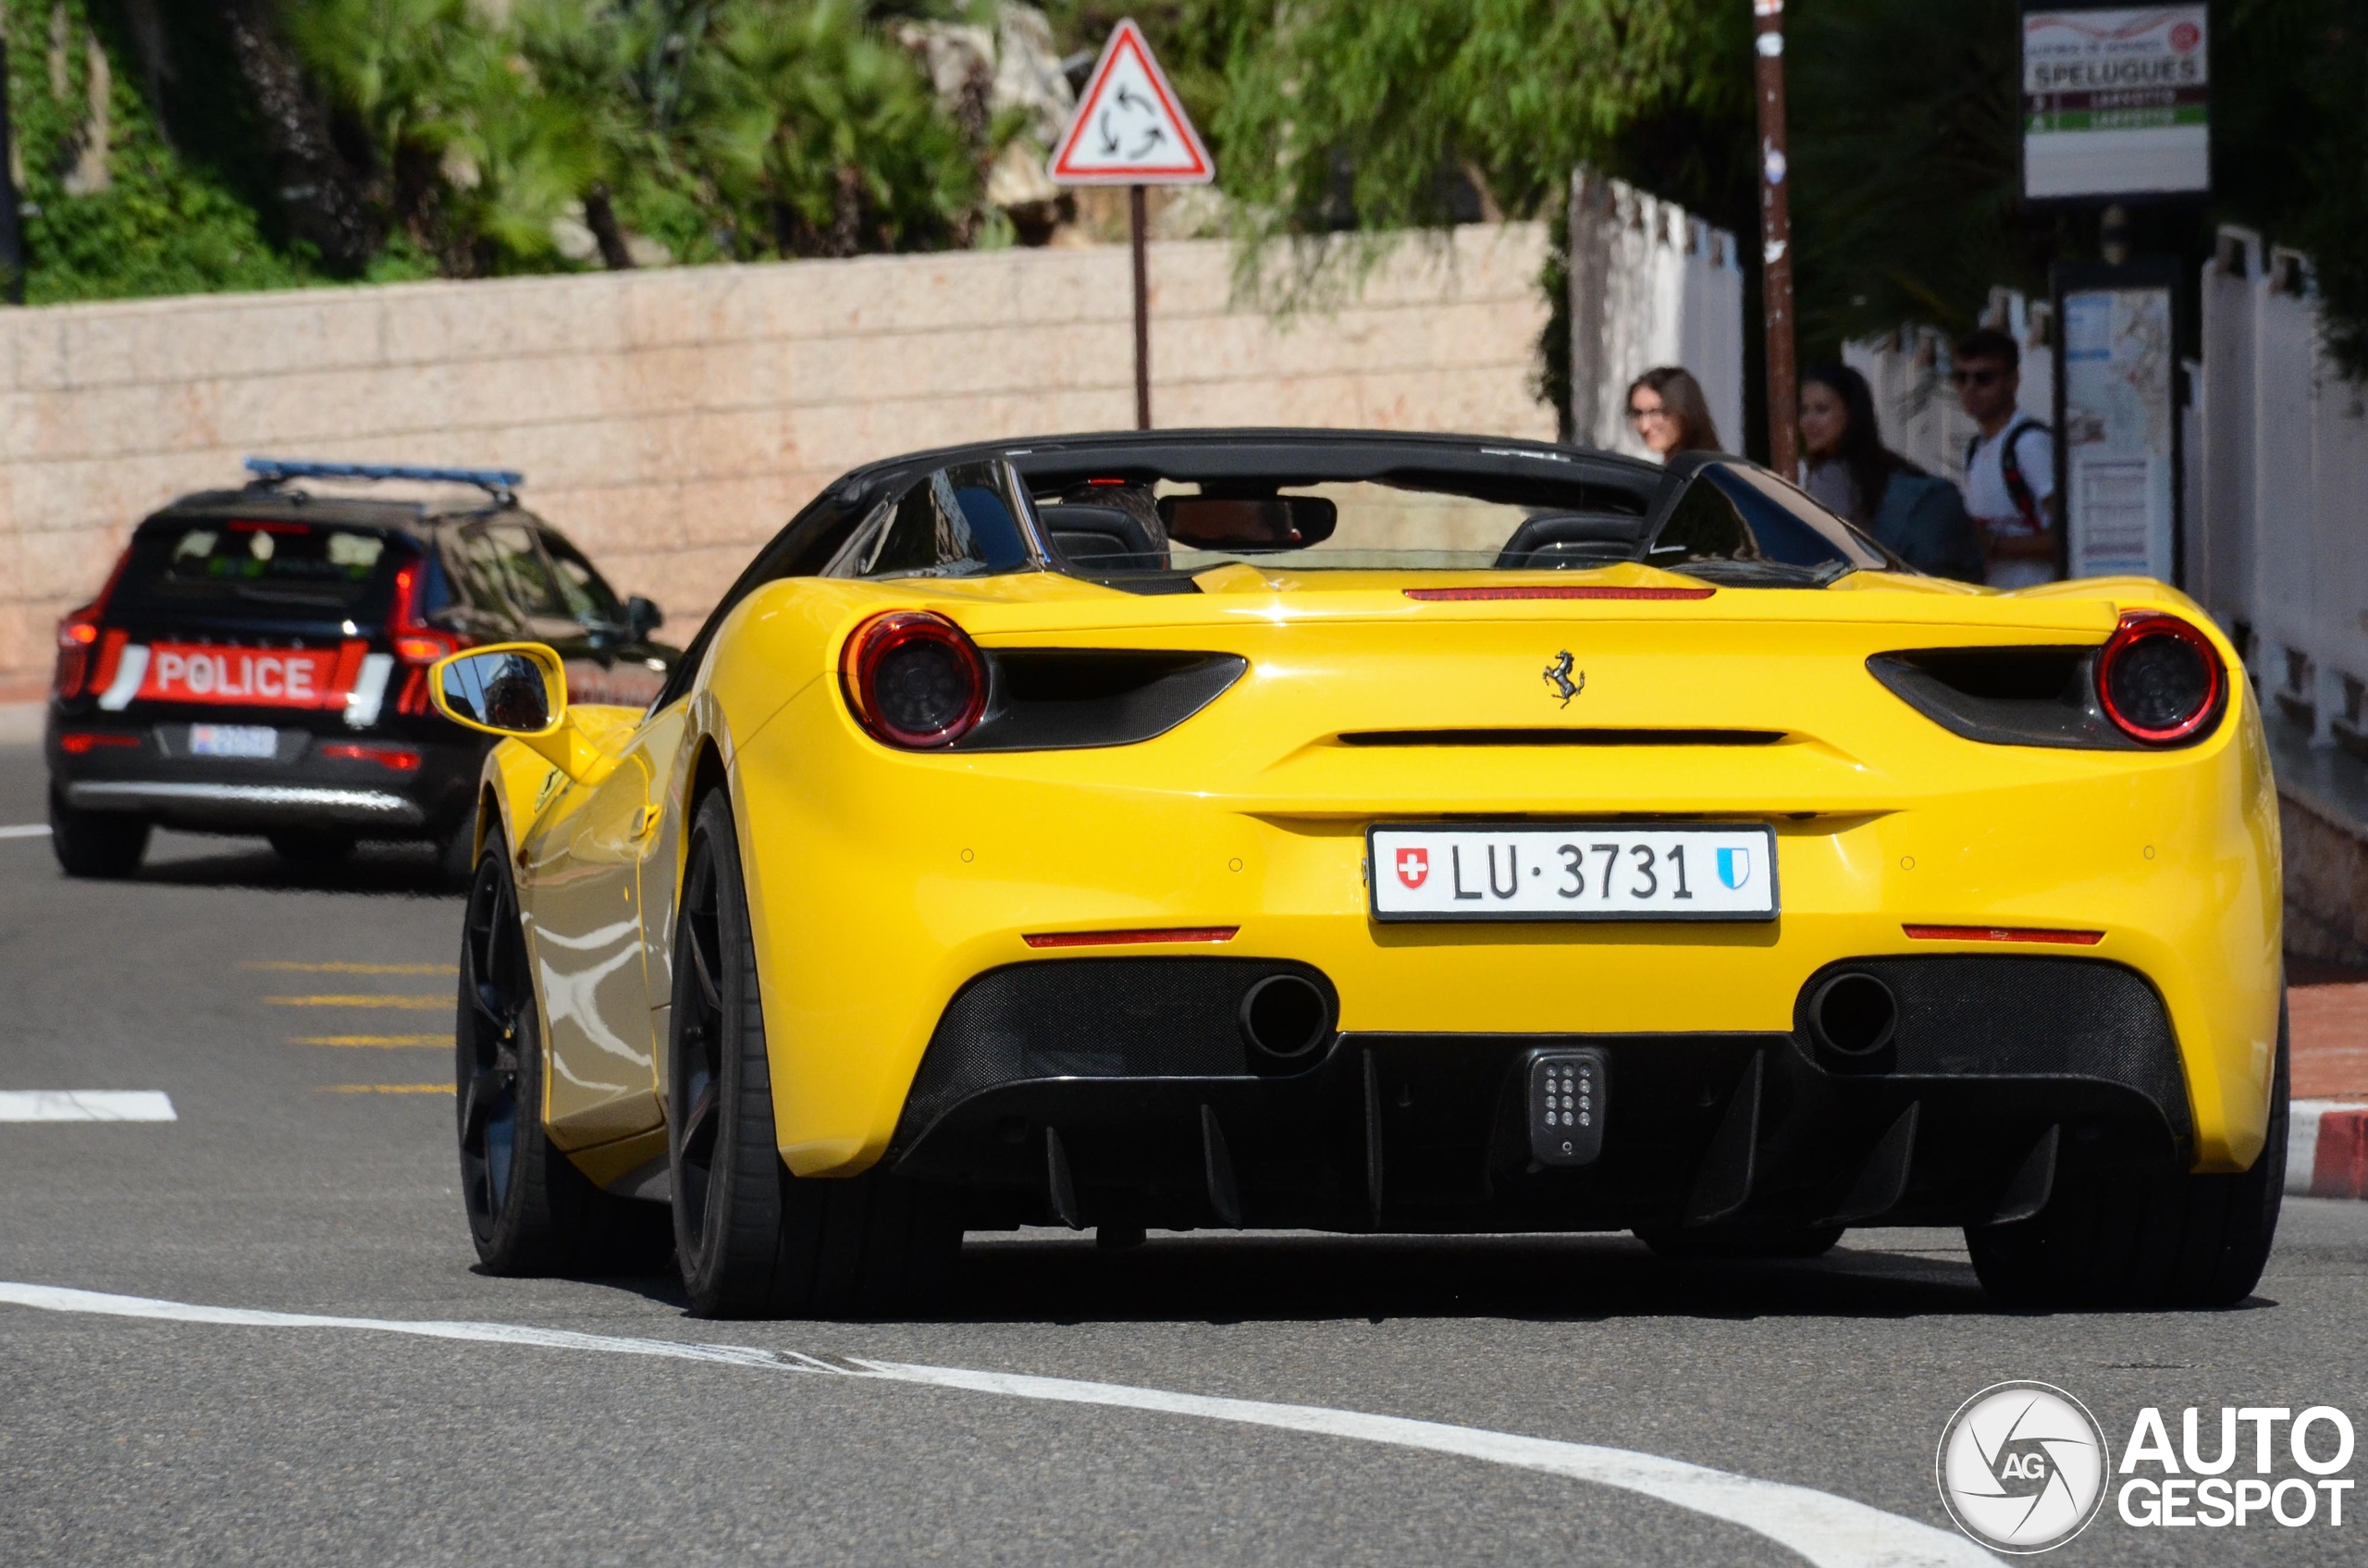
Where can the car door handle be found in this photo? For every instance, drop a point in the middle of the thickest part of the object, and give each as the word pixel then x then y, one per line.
pixel 646 821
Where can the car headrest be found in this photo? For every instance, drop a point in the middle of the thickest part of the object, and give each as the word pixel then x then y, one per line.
pixel 1102 538
pixel 1554 539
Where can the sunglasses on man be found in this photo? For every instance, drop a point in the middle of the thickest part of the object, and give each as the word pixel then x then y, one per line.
pixel 1983 378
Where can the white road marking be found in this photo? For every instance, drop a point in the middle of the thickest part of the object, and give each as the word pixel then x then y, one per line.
pixel 85 1105
pixel 26 830
pixel 1831 1532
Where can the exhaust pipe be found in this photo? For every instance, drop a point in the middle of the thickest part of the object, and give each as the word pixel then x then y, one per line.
pixel 1854 1015
pixel 1284 1017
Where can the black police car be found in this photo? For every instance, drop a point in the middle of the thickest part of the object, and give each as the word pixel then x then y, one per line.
pixel 257 662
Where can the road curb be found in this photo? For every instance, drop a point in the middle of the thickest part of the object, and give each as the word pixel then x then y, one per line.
pixel 2327 1150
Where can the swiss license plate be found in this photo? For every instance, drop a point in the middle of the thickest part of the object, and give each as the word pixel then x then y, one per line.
pixel 233 740
pixel 1572 872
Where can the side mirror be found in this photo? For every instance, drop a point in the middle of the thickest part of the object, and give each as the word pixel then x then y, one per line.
pixel 517 690
pixel 642 617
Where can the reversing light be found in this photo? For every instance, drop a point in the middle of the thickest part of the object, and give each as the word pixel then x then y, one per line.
pixel 2160 679
pixel 914 679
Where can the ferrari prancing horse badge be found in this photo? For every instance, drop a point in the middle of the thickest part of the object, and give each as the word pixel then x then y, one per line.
pixel 1557 675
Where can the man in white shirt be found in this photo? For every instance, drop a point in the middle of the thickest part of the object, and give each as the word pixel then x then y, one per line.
pixel 2009 468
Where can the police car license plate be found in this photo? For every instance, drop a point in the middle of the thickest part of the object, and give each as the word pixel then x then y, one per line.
pixel 1572 872
pixel 233 740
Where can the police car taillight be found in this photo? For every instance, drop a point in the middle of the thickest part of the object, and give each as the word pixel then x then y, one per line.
pixel 915 679
pixel 417 644
pixel 78 636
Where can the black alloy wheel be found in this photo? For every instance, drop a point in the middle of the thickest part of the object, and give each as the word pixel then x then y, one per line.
pixel 753 1239
pixel 496 1004
pixel 530 1210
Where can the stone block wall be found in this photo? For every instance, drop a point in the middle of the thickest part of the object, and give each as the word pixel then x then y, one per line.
pixel 671 420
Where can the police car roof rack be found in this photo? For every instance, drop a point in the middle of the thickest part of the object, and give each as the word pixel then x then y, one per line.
pixel 501 484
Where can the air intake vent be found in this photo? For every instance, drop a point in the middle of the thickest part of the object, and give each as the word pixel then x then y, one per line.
pixel 1064 698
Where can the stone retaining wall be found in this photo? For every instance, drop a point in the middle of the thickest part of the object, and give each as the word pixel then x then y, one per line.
pixel 671 420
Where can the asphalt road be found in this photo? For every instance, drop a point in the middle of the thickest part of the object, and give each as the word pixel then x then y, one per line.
pixel 319 1178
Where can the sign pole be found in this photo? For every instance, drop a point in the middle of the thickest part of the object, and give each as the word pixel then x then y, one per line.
pixel 1130 129
pixel 1776 240
pixel 1143 309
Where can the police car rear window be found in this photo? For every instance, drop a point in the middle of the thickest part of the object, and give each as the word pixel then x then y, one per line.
pixel 268 570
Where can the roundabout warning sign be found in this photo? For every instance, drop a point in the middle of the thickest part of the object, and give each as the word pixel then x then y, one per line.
pixel 1129 128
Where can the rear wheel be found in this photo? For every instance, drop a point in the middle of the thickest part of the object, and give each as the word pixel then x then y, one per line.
pixel 753 1239
pixel 309 847
pixel 95 844
pixel 530 1210
pixel 2144 1240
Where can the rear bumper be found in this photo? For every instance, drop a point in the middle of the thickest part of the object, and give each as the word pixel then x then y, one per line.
pixel 1121 1090
pixel 236 805
pixel 151 774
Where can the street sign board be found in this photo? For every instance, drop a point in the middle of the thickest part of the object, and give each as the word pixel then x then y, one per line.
pixel 1129 128
pixel 2120 448
pixel 2115 103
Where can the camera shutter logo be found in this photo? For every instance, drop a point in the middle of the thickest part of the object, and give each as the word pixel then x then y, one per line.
pixel 2022 1467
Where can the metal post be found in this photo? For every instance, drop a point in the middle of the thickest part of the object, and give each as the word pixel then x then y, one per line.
pixel 1776 240
pixel 1143 309
pixel 12 232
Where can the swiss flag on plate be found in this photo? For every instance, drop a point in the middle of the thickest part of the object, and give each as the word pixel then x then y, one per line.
pixel 1413 866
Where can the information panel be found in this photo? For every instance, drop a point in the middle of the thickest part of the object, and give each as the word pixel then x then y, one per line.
pixel 2115 103
pixel 2120 423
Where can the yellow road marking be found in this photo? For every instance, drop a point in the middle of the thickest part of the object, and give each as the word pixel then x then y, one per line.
pixel 388 1040
pixel 341 967
pixel 385 1089
pixel 412 1003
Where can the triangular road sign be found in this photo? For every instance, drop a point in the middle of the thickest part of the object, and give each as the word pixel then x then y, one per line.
pixel 1129 128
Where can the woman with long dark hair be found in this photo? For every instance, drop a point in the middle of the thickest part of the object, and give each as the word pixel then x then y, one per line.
pixel 1852 474
pixel 1669 413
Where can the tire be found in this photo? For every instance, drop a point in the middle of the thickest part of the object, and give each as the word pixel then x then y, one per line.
pixel 456 853
pixel 1712 1244
pixel 95 844
pixel 309 846
pixel 754 1240
pixel 2142 1240
pixel 530 1210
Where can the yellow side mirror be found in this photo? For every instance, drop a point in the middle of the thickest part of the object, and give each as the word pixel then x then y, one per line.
pixel 514 689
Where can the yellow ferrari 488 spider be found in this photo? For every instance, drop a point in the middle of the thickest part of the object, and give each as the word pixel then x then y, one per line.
pixel 1367 832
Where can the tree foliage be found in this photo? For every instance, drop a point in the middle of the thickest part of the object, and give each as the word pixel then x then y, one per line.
pixel 110 205
pixel 1385 118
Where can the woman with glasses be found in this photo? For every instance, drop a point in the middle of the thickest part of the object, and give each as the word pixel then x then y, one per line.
pixel 1668 413
pixel 1853 475
pixel 2009 467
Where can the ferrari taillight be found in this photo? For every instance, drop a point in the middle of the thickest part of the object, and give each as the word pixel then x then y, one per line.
pixel 2160 679
pixel 914 679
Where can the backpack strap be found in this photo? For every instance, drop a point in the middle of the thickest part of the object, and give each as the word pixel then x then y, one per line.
pixel 2010 468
